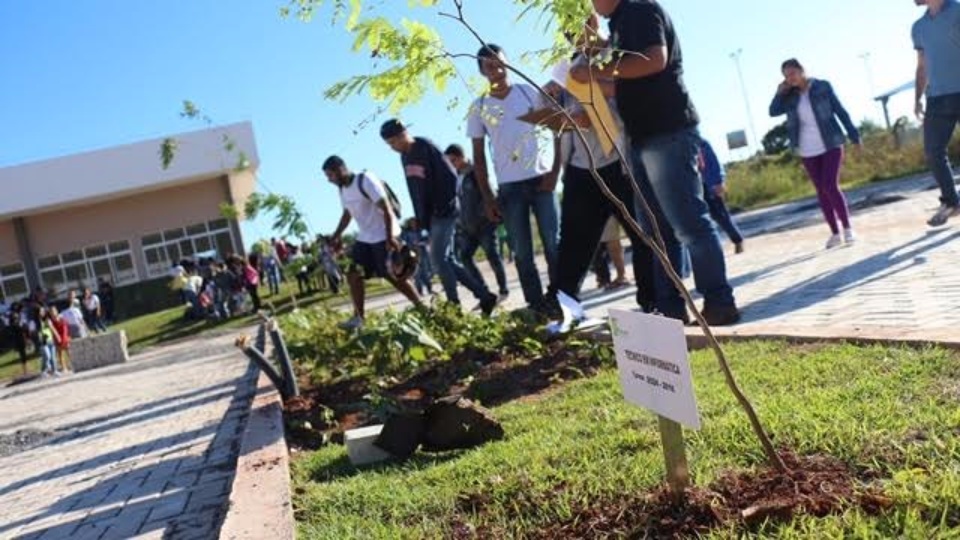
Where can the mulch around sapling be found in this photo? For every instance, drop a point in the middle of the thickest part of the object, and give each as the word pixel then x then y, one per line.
pixel 324 411
pixel 816 485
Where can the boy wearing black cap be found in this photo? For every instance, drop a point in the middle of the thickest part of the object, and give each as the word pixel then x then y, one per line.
pixel 432 183
pixel 365 200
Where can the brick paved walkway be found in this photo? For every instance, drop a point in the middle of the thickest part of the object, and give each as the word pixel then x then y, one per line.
pixel 146 449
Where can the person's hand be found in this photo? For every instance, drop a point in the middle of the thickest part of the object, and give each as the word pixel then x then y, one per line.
pixel 581 119
pixel 580 73
pixel 393 244
pixel 548 183
pixel 720 190
pixel 784 87
pixel 918 110
pixel 492 210
pixel 858 148
pixel 553 89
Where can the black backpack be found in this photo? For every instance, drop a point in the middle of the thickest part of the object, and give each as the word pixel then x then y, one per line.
pixel 391 196
pixel 473 219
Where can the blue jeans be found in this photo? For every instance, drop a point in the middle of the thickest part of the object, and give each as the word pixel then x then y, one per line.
pixel 666 170
pixel 273 279
pixel 423 279
pixel 95 321
pixel 943 114
pixel 48 355
pixel 517 201
pixel 446 264
pixel 486 239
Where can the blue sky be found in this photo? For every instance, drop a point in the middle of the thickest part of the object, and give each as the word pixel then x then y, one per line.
pixel 77 76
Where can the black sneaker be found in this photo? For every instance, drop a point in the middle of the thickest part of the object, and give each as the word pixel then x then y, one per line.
pixel 488 304
pixel 549 308
pixel 722 315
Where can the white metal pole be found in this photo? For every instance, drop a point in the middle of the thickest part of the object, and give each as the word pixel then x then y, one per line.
pixel 746 100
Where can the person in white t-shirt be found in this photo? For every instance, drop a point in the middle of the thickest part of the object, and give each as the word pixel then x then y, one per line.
pixel 74 319
pixel 526 180
pixel 93 311
pixel 365 201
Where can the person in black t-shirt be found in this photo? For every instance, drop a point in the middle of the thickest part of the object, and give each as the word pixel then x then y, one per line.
pixel 432 182
pixel 661 122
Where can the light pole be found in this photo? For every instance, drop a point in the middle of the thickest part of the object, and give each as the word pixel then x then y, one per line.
pixel 735 55
pixel 865 56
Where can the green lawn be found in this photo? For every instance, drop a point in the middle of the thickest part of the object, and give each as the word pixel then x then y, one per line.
pixel 169 324
pixel 888 410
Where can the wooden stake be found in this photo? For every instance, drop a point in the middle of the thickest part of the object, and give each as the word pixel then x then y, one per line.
pixel 675 456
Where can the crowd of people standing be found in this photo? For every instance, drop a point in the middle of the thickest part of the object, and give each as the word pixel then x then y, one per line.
pixel 38 326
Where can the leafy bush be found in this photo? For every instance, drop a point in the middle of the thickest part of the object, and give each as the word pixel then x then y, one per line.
pixel 398 343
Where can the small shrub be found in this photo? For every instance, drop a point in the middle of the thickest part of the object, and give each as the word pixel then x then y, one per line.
pixel 399 343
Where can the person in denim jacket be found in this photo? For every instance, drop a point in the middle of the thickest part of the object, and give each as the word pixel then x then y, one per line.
pixel 813 111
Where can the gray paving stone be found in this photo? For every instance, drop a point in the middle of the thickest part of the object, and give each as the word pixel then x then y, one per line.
pixel 59 532
pixel 169 506
pixel 209 495
pixel 88 531
pixel 153 534
pixel 182 481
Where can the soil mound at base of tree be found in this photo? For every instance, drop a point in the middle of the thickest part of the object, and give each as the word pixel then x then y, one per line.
pixel 816 485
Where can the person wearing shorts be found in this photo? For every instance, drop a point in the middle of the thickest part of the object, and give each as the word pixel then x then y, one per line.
pixel 365 201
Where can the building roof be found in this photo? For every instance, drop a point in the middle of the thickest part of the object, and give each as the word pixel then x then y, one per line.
pixel 124 170
pixel 902 88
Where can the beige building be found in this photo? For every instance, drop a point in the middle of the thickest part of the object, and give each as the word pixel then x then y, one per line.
pixel 118 214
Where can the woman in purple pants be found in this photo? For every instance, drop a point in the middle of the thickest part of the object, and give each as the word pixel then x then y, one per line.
pixel 814 118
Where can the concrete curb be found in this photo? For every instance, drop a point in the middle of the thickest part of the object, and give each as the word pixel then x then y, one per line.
pixel 260 504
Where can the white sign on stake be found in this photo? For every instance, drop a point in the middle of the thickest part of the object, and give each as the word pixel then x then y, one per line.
pixel 654 368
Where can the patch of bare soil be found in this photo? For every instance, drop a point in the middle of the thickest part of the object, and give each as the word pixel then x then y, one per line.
pixel 323 412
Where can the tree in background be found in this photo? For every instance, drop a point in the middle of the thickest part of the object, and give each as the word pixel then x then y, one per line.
pixel 777 140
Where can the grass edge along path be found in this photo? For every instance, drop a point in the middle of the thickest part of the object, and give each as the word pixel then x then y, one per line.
pixel 168 325
pixel 889 413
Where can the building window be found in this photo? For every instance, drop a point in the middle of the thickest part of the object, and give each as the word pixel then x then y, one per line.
pixel 163 250
pixel 85 267
pixel 13 281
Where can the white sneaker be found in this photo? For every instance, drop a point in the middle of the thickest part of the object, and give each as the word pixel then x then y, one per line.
pixel 849 237
pixel 834 241
pixel 354 323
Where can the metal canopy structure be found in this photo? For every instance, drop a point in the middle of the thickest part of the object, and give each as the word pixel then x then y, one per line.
pixel 885 98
